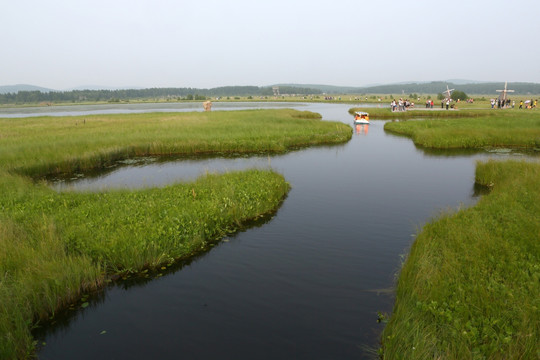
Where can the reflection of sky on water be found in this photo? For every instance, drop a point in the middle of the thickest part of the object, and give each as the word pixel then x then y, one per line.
pixel 160 174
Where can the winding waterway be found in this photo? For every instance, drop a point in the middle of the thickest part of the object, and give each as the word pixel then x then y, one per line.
pixel 306 283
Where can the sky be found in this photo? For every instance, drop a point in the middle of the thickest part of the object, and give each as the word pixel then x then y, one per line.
pixel 62 44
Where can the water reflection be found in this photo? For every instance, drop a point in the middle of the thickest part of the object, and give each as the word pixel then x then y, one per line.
pixel 361 129
pixel 162 171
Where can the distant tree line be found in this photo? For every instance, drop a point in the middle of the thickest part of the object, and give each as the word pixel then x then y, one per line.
pixel 22 97
pixel 436 87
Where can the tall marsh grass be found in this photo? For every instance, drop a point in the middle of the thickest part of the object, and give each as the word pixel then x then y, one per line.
pixel 470 286
pixel 56 246
pixel 38 276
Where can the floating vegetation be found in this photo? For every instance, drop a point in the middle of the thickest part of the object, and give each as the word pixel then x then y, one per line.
pixel 139 160
pixel 499 151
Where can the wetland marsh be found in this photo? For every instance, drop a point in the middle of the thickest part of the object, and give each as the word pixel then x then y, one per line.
pixel 306 281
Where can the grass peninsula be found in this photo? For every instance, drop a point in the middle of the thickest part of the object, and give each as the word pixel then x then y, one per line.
pixel 58 247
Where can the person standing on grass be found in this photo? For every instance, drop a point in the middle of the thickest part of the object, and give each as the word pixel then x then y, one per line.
pixel 521 104
pixel 447 103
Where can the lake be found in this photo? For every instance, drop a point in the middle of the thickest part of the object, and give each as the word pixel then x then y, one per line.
pixel 127 108
pixel 304 283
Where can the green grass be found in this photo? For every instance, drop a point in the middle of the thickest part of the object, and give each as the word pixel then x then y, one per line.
pixel 49 145
pixel 57 247
pixel 466 128
pixel 469 287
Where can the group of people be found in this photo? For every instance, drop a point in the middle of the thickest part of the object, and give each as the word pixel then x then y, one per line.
pixel 401 105
pixel 529 104
pixel 502 103
pixel 449 104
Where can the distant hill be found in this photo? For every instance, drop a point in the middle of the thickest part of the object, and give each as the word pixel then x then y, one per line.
pixel 99 87
pixel 464 81
pixel 433 87
pixel 4 89
pixel 407 86
pixel 328 89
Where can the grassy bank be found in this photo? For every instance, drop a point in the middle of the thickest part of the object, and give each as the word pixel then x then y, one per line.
pixel 469 288
pixel 58 246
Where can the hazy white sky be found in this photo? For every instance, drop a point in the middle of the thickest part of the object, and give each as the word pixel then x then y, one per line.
pixel 176 43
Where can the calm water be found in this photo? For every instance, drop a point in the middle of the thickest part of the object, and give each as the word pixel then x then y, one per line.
pixel 305 284
pixel 76 110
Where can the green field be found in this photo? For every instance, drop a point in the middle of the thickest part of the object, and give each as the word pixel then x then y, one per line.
pixel 59 247
pixel 469 286
pixel 46 145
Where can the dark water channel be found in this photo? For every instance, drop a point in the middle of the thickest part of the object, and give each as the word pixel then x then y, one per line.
pixel 305 284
